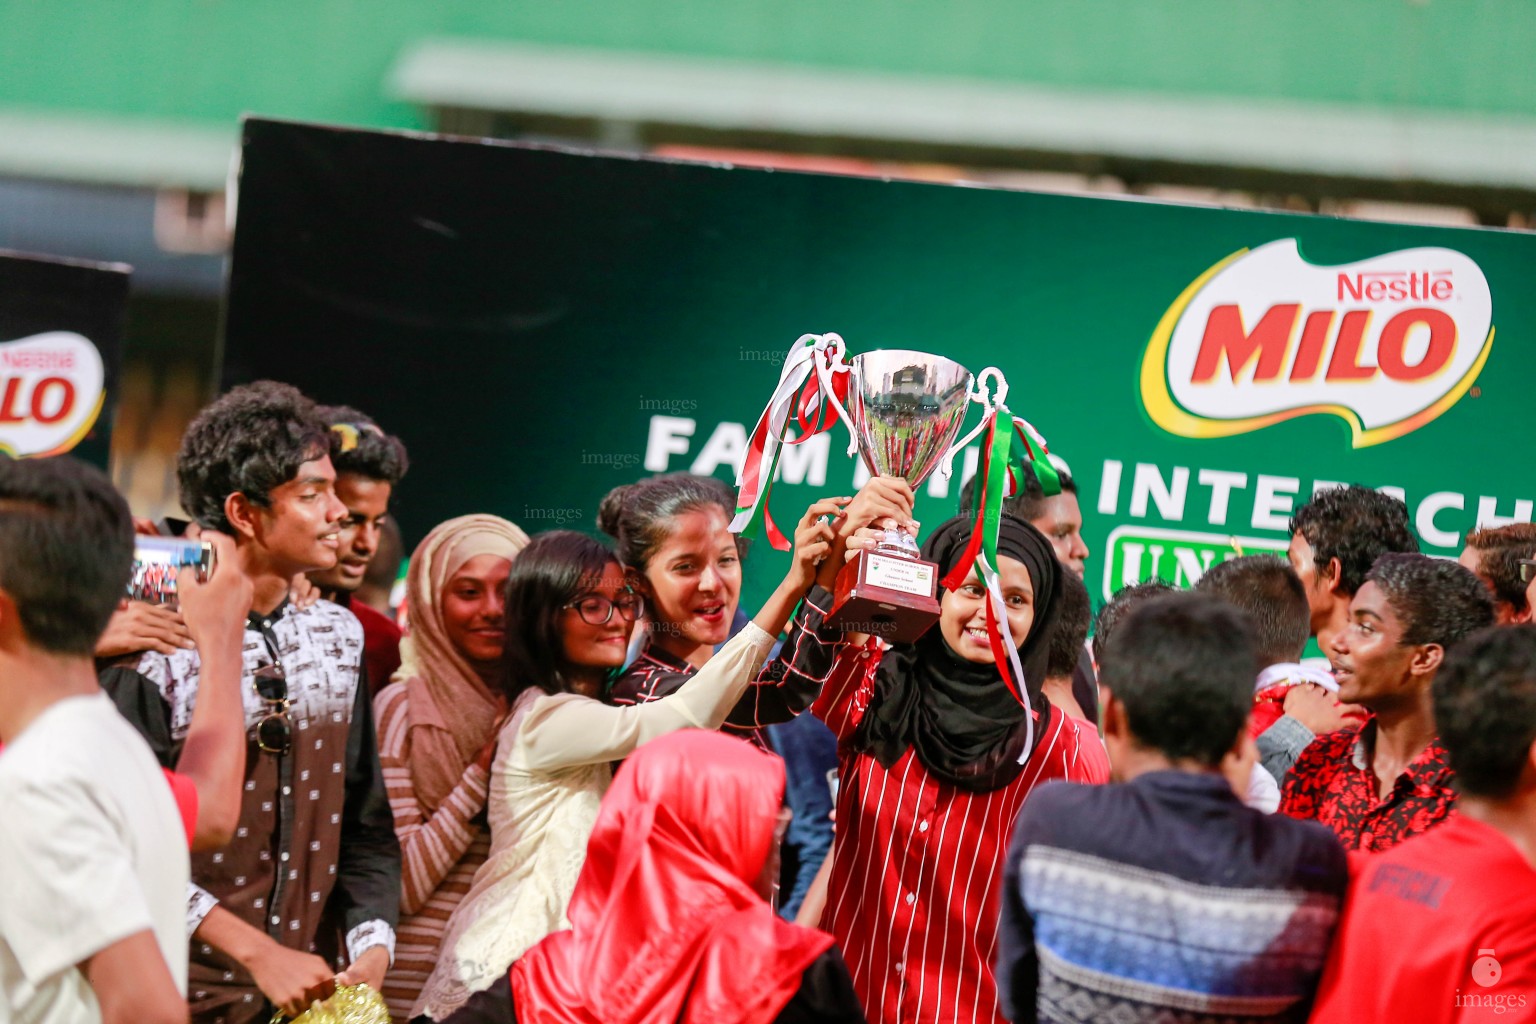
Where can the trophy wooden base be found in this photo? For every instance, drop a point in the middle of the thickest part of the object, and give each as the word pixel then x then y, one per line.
pixel 886 594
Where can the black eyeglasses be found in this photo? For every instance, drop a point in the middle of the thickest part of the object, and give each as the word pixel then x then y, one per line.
pixel 596 610
pixel 1527 570
pixel 274 734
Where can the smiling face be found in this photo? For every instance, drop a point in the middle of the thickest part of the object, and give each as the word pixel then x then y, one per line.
pixel 367 502
pixel 1370 661
pixel 692 583
pixel 591 649
pixel 473 608
pixel 1060 518
pixel 299 528
pixel 963 617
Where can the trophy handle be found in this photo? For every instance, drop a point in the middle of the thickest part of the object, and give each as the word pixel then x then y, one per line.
pixel 836 353
pixel 988 402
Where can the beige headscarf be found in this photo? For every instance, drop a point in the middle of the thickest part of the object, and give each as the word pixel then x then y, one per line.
pixel 452 711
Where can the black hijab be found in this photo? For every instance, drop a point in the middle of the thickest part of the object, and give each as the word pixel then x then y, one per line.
pixel 962 722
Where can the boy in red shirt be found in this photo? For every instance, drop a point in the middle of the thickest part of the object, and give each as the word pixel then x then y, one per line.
pixel 1443 927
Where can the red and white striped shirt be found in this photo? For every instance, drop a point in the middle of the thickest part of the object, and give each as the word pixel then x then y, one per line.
pixel 917 864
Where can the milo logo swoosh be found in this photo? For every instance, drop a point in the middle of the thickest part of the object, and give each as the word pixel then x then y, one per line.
pixel 51 392
pixel 1386 344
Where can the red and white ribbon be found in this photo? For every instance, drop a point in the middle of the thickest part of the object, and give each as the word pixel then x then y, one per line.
pixel 814 375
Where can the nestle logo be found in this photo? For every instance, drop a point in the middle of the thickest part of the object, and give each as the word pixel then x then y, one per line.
pixel 1395 285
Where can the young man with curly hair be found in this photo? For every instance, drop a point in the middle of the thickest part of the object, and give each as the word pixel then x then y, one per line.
pixel 369 465
pixel 315 852
pixel 1390 780
pixel 1335 539
pixel 1443 928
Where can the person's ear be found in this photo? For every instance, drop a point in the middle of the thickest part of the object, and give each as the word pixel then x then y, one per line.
pixel 1517 615
pixel 242 515
pixel 1426 659
pixel 638 583
pixel 1114 718
pixel 1331 574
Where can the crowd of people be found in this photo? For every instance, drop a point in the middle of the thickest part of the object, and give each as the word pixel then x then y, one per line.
pixel 573 781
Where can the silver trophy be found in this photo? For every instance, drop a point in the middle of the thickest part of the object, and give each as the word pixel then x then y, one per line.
pixel 905 410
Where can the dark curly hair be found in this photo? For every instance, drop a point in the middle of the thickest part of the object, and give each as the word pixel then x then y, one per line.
pixel 1500 550
pixel 359 445
pixel 1268 589
pixel 250 441
pixel 1182 665
pixel 1119 606
pixel 1437 601
pixel 1071 628
pixel 639 516
pixel 66 550
pixel 1485 709
pixel 1356 525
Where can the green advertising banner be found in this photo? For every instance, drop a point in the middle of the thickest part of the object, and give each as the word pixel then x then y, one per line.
pixel 541 325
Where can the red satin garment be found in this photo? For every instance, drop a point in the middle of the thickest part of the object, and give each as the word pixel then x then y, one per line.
pixel 665 923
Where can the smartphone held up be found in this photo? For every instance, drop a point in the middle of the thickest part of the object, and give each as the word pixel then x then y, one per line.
pixel 156 561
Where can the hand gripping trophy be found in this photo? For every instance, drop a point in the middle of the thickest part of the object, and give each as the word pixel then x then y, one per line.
pixel 903 410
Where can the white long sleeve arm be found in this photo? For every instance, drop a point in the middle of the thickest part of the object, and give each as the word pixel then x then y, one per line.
pixel 565 730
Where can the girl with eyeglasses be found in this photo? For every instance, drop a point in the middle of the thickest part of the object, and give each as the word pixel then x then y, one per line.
pixel 569 611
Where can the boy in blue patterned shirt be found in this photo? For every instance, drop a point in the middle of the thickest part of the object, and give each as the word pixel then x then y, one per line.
pixel 1163 897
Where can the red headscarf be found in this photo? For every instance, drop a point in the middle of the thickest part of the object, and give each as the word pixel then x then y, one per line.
pixel 665 923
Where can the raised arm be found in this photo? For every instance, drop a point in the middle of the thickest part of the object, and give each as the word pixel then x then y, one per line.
pixel 213 753
pixel 779 693
pixel 430 844
pixel 568 729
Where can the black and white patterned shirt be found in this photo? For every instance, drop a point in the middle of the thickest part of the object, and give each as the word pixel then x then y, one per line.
pixel 314 852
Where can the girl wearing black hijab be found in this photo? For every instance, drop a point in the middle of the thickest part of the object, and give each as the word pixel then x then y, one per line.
pixel 936 757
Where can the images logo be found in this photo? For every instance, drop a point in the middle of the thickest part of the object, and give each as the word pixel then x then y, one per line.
pixel 1486 969
pixel 51 391
pixel 1386 344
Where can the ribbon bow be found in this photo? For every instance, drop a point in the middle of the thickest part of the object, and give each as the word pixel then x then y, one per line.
pixel 813 385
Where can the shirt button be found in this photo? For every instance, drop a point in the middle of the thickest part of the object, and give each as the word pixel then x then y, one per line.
pixel 900 968
pixel 277 920
pixel 922 826
pixel 283 855
pixel 911 898
pixel 287 790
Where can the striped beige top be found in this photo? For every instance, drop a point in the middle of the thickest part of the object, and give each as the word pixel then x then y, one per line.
pixel 439 854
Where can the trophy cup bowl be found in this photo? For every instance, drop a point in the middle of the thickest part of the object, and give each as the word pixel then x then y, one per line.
pixel 906 409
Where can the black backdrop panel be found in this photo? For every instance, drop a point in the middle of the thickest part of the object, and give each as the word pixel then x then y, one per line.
pixel 40 296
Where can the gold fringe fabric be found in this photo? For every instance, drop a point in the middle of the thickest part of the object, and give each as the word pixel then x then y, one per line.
pixel 352 1004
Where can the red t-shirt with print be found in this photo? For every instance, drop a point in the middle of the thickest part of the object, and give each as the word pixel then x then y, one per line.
pixel 1442 929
